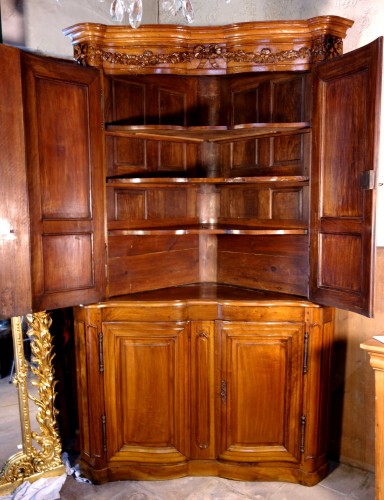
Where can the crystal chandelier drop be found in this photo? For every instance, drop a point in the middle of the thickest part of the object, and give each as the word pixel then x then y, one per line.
pixel 134 10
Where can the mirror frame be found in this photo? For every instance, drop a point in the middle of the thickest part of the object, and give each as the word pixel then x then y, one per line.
pixel 41 449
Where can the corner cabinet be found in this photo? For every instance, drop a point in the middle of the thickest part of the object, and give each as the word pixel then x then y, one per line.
pixel 221 382
pixel 192 191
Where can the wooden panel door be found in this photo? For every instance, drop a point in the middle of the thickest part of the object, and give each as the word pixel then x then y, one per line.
pixel 345 150
pixel 261 391
pixel 65 175
pixel 147 391
pixel 15 276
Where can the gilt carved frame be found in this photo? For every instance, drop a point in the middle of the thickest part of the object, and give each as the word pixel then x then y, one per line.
pixel 41 449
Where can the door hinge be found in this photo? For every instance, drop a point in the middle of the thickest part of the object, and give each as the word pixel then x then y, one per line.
pixel 223 392
pixel 102 109
pixel 104 431
pixel 368 179
pixel 305 361
pixel 303 421
pixel 101 357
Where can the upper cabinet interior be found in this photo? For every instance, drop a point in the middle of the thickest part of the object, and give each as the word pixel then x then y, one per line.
pixel 221 155
pixel 196 155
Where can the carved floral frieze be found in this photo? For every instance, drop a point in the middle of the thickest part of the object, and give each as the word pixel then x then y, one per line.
pixel 209 56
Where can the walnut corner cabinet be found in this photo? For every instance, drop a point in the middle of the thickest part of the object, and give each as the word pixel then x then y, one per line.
pixel 203 197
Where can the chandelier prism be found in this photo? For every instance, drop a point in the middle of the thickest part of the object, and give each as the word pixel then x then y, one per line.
pixel 134 10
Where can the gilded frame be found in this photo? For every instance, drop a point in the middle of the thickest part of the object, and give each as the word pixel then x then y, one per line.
pixel 41 452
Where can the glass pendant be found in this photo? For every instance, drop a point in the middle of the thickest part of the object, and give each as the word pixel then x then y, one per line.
pixel 188 11
pixel 117 11
pixel 135 13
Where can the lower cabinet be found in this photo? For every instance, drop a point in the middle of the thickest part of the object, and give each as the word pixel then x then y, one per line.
pixel 231 388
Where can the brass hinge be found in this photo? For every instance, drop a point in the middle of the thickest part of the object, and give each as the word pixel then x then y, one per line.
pixel 104 431
pixel 223 392
pixel 101 357
pixel 303 424
pixel 368 179
pixel 106 263
pixel 102 109
pixel 305 361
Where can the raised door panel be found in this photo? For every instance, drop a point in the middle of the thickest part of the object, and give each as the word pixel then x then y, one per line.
pixel 345 151
pixel 15 274
pixel 65 174
pixel 202 390
pixel 261 391
pixel 147 392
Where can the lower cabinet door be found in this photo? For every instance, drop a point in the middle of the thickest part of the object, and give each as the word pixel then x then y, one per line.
pixel 147 391
pixel 261 391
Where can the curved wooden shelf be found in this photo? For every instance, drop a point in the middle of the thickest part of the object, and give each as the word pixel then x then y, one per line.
pixel 206 229
pixel 218 134
pixel 288 180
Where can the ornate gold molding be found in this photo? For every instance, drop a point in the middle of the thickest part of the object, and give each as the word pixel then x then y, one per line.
pixel 46 455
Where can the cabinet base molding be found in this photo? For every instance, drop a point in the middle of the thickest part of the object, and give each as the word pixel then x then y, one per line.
pixel 202 468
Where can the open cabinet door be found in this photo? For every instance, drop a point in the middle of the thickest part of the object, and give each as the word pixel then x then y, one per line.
pixel 62 104
pixel 15 276
pixel 345 153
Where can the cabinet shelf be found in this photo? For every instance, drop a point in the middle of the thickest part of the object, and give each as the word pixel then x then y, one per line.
pixel 169 181
pixel 197 135
pixel 229 229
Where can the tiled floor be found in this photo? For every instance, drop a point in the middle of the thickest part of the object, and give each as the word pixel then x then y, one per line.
pixel 343 482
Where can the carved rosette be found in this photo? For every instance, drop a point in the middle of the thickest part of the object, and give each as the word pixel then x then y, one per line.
pixel 326 47
pixel 46 456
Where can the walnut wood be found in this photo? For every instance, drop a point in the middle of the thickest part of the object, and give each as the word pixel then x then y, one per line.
pixel 345 146
pixel 209 133
pixel 234 48
pixel 179 393
pixel 206 358
pixel 375 350
pixel 64 155
pixel 15 275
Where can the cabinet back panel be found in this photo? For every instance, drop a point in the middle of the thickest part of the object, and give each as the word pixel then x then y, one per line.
pixel 149 101
pixel 287 155
pixel 267 263
pixel 278 98
pixel 127 155
pixel 269 98
pixel 143 263
pixel 146 204
pixel 264 203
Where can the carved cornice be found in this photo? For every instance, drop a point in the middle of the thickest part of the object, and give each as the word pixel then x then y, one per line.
pixel 243 47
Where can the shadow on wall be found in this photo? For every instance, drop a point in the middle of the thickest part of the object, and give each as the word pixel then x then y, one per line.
pixel 12 22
